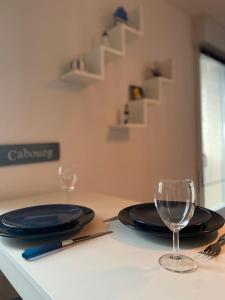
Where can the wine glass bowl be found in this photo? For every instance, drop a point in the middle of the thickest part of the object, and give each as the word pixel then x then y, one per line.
pixel 67 179
pixel 174 201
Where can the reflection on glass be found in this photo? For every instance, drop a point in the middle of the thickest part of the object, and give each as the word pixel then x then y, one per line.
pixel 174 200
pixel 67 179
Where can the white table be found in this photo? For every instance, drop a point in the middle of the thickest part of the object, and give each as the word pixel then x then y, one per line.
pixel 119 266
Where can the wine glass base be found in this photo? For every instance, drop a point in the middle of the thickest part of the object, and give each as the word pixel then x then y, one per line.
pixel 179 263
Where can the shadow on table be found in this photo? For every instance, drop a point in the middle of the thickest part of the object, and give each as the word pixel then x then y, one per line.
pixel 123 234
pixel 150 241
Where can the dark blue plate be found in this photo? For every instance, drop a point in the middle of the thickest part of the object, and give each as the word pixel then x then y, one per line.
pixel 42 218
pixel 86 216
pixel 146 214
pixel 213 224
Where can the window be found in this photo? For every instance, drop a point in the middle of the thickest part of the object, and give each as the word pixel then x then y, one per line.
pixel 212 79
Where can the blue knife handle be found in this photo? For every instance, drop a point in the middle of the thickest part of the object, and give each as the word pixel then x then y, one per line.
pixel 33 252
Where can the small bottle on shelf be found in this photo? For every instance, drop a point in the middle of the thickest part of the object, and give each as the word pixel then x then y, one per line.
pixel 126 113
pixel 78 64
pixel 105 38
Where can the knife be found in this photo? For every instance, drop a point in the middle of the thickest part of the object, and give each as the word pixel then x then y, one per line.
pixel 111 219
pixel 45 249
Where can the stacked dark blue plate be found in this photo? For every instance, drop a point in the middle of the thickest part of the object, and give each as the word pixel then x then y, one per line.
pixel 45 221
pixel 144 217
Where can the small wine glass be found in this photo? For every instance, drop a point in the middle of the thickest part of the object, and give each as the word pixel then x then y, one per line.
pixel 174 201
pixel 67 179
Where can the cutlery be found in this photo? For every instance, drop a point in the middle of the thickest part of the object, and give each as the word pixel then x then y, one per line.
pixel 215 248
pixel 111 219
pixel 45 249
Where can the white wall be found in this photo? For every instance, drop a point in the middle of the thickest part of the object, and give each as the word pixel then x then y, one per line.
pixel 208 32
pixel 38 38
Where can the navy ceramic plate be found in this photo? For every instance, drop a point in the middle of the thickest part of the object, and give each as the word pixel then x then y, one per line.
pixel 42 218
pixel 213 224
pixel 86 216
pixel 146 214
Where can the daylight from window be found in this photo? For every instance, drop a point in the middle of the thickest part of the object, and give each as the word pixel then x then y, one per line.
pixel 212 74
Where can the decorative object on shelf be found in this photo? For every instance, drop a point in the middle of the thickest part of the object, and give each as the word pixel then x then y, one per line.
pixel 120 16
pixel 95 59
pixel 152 88
pixel 105 39
pixel 136 92
pixel 156 70
pixel 78 64
pixel 126 114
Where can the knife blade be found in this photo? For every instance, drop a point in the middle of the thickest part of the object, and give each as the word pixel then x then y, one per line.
pixel 45 249
pixel 111 219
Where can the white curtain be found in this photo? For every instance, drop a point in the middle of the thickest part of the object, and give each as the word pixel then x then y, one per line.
pixel 213 130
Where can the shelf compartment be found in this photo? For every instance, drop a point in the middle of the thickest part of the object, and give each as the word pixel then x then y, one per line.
pixel 81 77
pixel 96 58
pixel 168 71
pixel 117 38
pixel 129 125
pixel 95 72
pixel 131 33
pixel 138 113
pixel 94 61
pixel 153 87
pixel 152 101
pixel 110 53
pixel 122 33
pixel 136 20
pixel 138 109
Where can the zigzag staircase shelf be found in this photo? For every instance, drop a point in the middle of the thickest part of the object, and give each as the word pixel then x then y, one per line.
pixel 152 87
pixel 96 58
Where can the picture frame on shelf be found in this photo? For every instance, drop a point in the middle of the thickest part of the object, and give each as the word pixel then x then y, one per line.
pixel 136 92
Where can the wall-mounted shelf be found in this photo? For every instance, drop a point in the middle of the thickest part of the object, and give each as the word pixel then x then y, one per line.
pixel 152 88
pixel 81 77
pixel 130 125
pixel 110 53
pixel 95 59
pixel 137 113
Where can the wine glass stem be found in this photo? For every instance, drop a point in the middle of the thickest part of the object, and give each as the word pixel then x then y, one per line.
pixel 176 247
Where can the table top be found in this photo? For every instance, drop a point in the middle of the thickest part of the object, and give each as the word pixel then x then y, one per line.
pixel 119 266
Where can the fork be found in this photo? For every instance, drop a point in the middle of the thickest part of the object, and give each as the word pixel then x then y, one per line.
pixel 214 249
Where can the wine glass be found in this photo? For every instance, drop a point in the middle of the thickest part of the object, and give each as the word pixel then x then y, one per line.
pixel 174 201
pixel 67 179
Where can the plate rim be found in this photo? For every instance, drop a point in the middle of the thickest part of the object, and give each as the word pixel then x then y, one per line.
pixel 125 219
pixel 87 216
pixel 30 228
pixel 139 221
